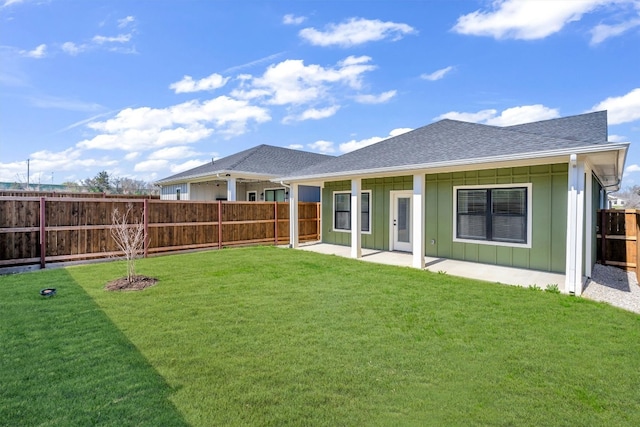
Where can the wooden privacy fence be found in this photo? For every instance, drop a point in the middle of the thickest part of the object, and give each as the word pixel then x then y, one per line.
pixel 618 232
pixel 79 228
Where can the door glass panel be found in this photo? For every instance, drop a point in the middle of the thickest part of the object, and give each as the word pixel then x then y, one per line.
pixel 404 219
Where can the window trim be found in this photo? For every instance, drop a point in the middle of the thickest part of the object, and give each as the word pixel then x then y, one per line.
pixel 529 188
pixel 274 189
pixel 255 194
pixel 333 210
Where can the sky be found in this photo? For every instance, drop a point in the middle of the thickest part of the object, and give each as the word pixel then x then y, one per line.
pixel 147 89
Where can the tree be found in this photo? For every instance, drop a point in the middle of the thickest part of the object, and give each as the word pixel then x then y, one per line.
pixel 128 233
pixel 99 184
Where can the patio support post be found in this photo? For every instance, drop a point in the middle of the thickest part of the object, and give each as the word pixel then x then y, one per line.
pixel 293 216
pixel 356 218
pixel 575 226
pixel 418 221
pixel 231 189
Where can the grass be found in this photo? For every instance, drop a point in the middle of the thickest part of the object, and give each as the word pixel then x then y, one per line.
pixel 268 336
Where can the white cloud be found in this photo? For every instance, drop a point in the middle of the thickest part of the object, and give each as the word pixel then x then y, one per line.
pixel 525 19
pixel 508 117
pixel 73 49
pixel 356 145
pixel 632 168
pixel 189 164
pixel 478 117
pixel 44 162
pixel 438 74
pixel 134 129
pixel 124 22
pixel 322 146
pixel 63 103
pixel 523 114
pixel 601 32
pixel 39 52
pixel 187 84
pixel 293 82
pixel 376 99
pixel 621 109
pixel 618 138
pixel 120 38
pixel 355 31
pixel 172 153
pixel 399 131
pixel 313 114
pixel 291 19
pixel 132 156
pixel 10 2
pixel 296 146
pixel 150 165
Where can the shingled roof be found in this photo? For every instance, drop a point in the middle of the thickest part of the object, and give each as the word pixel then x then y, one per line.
pixel 452 142
pixel 263 160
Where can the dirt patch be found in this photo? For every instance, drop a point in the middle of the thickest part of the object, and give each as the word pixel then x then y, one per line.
pixel 138 283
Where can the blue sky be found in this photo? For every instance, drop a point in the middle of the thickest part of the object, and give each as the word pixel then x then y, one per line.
pixel 146 89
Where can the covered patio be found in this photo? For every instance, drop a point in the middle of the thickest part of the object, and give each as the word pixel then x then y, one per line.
pixel 471 270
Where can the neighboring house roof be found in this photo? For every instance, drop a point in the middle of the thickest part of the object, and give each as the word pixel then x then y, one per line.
pixel 453 143
pixel 261 161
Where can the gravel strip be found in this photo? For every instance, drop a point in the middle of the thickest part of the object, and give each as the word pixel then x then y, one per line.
pixel 614 286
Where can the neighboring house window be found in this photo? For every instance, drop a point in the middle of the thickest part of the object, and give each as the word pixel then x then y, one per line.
pixel 494 214
pixel 178 194
pixel 342 211
pixel 252 196
pixel 274 195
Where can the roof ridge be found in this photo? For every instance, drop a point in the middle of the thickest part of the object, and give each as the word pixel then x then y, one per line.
pixel 249 153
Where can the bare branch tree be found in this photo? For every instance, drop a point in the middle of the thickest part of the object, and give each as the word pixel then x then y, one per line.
pixel 128 233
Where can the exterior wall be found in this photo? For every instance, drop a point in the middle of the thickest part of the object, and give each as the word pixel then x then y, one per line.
pixel 169 192
pixel 380 202
pixel 209 190
pixel 549 217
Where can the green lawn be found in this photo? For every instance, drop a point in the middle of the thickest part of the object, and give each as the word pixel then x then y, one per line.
pixel 269 336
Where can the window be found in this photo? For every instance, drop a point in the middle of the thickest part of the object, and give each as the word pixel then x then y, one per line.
pixel 274 195
pixel 252 196
pixel 177 194
pixel 497 214
pixel 342 211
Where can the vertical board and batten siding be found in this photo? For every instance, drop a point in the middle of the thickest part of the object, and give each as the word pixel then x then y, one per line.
pixel 549 217
pixel 380 210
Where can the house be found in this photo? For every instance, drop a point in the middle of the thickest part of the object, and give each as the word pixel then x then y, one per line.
pixel 244 176
pixel 521 196
pixel 616 202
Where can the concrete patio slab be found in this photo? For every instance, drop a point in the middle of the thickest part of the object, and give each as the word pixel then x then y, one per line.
pixel 471 270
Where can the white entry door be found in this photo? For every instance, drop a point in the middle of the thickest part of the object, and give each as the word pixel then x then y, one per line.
pixel 401 221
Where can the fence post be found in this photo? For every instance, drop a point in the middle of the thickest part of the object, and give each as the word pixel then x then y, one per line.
pixel 43 238
pixel 145 219
pixel 219 224
pixel 275 230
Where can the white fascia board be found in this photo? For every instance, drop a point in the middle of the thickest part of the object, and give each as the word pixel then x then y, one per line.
pixel 522 159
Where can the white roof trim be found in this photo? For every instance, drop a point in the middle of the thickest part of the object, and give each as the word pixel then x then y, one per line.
pixel 465 162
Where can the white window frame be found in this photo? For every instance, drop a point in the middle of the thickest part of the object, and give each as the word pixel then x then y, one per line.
pixel 254 192
pixel 333 210
pixel 529 188
pixel 264 191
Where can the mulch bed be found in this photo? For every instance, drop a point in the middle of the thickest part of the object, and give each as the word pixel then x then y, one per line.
pixel 137 283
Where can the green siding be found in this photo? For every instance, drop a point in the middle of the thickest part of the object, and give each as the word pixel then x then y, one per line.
pixel 380 199
pixel 549 217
